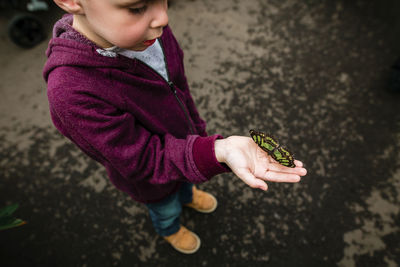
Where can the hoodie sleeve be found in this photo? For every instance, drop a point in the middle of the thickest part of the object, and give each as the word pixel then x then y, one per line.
pixel 117 140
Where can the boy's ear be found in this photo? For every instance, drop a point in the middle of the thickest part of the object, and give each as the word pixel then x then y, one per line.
pixel 71 6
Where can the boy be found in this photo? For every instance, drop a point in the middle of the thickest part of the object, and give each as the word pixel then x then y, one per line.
pixel 117 89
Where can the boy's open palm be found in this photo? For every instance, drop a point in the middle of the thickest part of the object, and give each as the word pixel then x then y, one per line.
pixel 252 165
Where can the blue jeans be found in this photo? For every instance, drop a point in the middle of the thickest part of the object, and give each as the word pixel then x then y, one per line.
pixel 165 214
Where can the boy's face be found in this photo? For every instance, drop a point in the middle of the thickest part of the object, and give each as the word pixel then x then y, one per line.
pixel 129 24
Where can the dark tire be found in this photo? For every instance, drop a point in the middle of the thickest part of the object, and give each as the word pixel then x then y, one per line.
pixel 26 30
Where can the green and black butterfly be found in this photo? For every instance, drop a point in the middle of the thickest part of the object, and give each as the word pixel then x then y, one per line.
pixel 270 145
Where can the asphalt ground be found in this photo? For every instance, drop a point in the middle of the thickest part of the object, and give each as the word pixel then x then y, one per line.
pixel 313 73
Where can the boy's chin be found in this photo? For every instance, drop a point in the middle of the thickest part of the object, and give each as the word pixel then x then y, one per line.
pixel 138 49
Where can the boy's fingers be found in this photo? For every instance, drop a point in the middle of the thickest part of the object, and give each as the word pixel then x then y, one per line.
pixel 251 180
pixel 276 167
pixel 298 163
pixel 281 177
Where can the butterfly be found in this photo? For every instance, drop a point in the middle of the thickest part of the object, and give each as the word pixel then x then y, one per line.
pixel 270 145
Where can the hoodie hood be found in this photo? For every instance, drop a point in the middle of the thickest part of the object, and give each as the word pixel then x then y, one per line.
pixel 68 47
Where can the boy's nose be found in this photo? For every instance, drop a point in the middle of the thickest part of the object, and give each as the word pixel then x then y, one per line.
pixel 160 16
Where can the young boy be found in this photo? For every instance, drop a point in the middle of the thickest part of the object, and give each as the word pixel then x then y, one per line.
pixel 117 89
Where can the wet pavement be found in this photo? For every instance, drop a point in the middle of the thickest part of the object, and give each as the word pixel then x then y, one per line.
pixel 314 73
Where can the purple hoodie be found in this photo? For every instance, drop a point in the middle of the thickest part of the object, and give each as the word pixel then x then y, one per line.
pixel 145 131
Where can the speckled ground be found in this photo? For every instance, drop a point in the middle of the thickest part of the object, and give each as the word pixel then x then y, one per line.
pixel 312 72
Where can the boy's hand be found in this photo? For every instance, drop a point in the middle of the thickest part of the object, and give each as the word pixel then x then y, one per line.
pixel 254 166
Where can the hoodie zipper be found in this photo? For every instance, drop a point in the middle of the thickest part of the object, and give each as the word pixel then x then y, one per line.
pixel 172 87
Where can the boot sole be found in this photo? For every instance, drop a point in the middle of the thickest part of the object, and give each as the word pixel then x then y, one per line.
pixel 184 251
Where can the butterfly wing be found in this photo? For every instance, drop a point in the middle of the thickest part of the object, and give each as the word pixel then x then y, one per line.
pixel 284 157
pixel 256 136
pixel 266 143
pixel 271 145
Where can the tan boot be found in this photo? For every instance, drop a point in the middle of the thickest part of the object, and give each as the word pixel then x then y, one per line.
pixel 202 201
pixel 184 241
